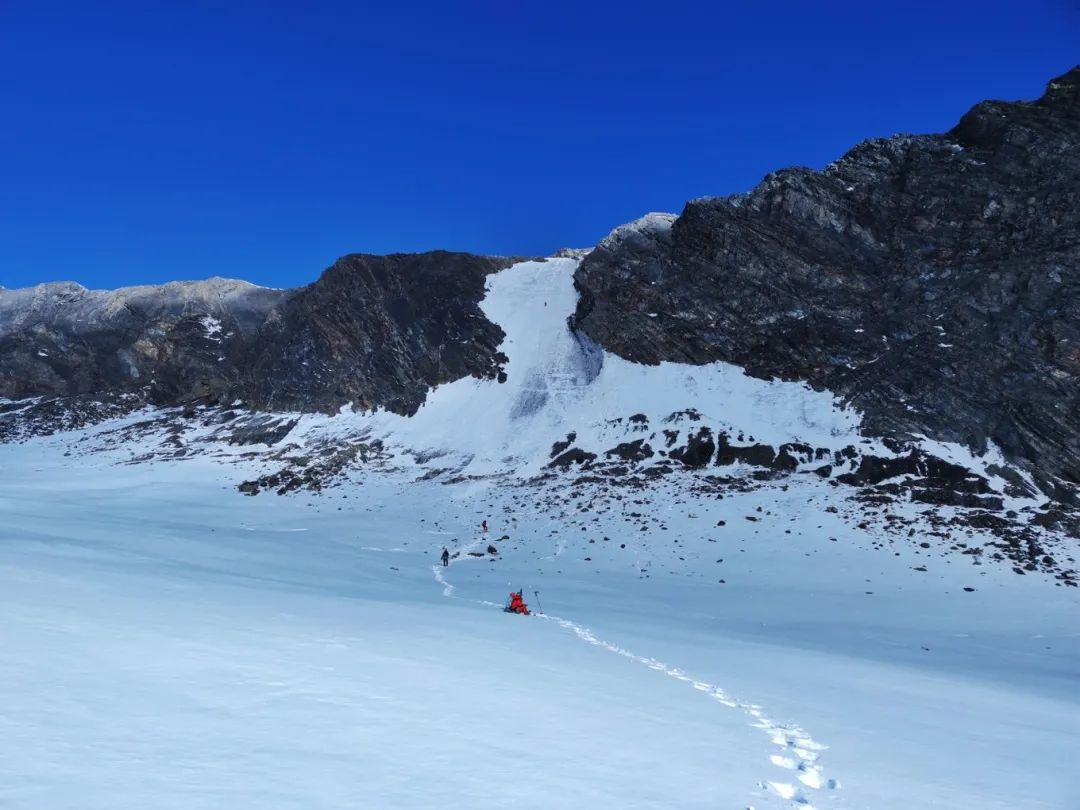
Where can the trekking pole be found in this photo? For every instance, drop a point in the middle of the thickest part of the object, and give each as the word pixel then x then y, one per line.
pixel 537 595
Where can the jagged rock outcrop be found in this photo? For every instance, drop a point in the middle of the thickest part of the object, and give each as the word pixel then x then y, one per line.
pixel 169 343
pixel 372 330
pixel 378 331
pixel 932 281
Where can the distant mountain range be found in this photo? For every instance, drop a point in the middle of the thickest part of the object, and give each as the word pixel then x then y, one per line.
pixel 930 282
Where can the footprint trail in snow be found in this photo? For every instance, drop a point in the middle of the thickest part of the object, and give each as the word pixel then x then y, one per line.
pixel 798 751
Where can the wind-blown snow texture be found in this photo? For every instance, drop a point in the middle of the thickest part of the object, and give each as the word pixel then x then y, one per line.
pixel 169 643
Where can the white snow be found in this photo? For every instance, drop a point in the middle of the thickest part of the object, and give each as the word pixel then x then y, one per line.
pixel 652 223
pixel 168 643
pixel 556 384
pixel 211 327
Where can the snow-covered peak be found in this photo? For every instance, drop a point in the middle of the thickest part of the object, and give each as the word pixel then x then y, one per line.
pixel 557 382
pixel 653 223
pixel 571 253
pixel 67 303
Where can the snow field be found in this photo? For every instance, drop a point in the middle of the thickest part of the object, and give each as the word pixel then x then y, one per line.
pixel 171 644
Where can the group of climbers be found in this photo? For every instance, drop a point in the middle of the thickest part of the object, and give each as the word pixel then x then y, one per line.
pixel 515 603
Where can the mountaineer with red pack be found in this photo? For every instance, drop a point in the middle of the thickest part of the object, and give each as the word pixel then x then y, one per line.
pixel 516 604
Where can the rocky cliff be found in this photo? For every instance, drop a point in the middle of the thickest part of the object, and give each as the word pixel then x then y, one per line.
pixel 933 281
pixel 165 344
pixel 378 331
pixel 930 281
pixel 372 330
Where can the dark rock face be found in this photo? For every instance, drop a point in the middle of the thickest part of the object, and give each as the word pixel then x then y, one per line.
pixel 313 473
pixel 698 451
pixel 559 446
pixel 944 500
pixel 637 450
pixel 373 330
pixel 173 343
pixel 932 281
pixel 261 429
pixel 379 331
pixel 573 456
pixel 756 455
pixel 874 470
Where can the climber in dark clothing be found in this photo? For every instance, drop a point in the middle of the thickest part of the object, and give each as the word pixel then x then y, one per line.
pixel 445 557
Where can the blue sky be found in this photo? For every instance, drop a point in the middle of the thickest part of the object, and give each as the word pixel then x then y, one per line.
pixel 143 142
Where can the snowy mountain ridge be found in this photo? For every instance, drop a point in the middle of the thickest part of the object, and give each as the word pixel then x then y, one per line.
pixel 723 560
pixel 789 482
pixel 564 410
pixel 917 278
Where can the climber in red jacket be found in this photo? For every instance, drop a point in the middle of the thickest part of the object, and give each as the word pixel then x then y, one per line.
pixel 517 604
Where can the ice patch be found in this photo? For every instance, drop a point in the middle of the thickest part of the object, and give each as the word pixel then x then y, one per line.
pixel 211 327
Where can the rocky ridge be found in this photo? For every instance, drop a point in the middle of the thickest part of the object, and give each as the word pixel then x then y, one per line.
pixel 929 280
pixel 373 331
pixel 907 498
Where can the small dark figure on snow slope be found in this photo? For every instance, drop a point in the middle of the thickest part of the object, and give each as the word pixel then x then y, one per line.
pixel 445 557
pixel 483 525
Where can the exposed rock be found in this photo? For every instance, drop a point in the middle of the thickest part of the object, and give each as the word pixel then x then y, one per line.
pixel 698 451
pixel 929 280
pixel 948 497
pixel 314 474
pixel 785 460
pixel 167 344
pixel 371 331
pixel 559 446
pixel 574 456
pixel 378 331
pixel 261 429
pixel 637 450
pixel 40 417
pixel 756 455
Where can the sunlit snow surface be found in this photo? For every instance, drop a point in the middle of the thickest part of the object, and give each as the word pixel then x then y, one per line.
pixel 168 643
pixel 557 382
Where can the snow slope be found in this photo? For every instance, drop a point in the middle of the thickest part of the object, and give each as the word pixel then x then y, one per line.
pixel 170 644
pixel 557 382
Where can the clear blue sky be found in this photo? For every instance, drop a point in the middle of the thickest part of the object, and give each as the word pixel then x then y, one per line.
pixel 148 141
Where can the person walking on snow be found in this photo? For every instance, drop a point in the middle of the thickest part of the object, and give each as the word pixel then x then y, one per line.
pixel 445 557
pixel 483 525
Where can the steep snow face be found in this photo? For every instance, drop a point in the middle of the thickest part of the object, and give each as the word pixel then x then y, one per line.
pixel 558 382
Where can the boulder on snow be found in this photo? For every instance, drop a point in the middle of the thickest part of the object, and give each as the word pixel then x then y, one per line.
pixel 573 456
